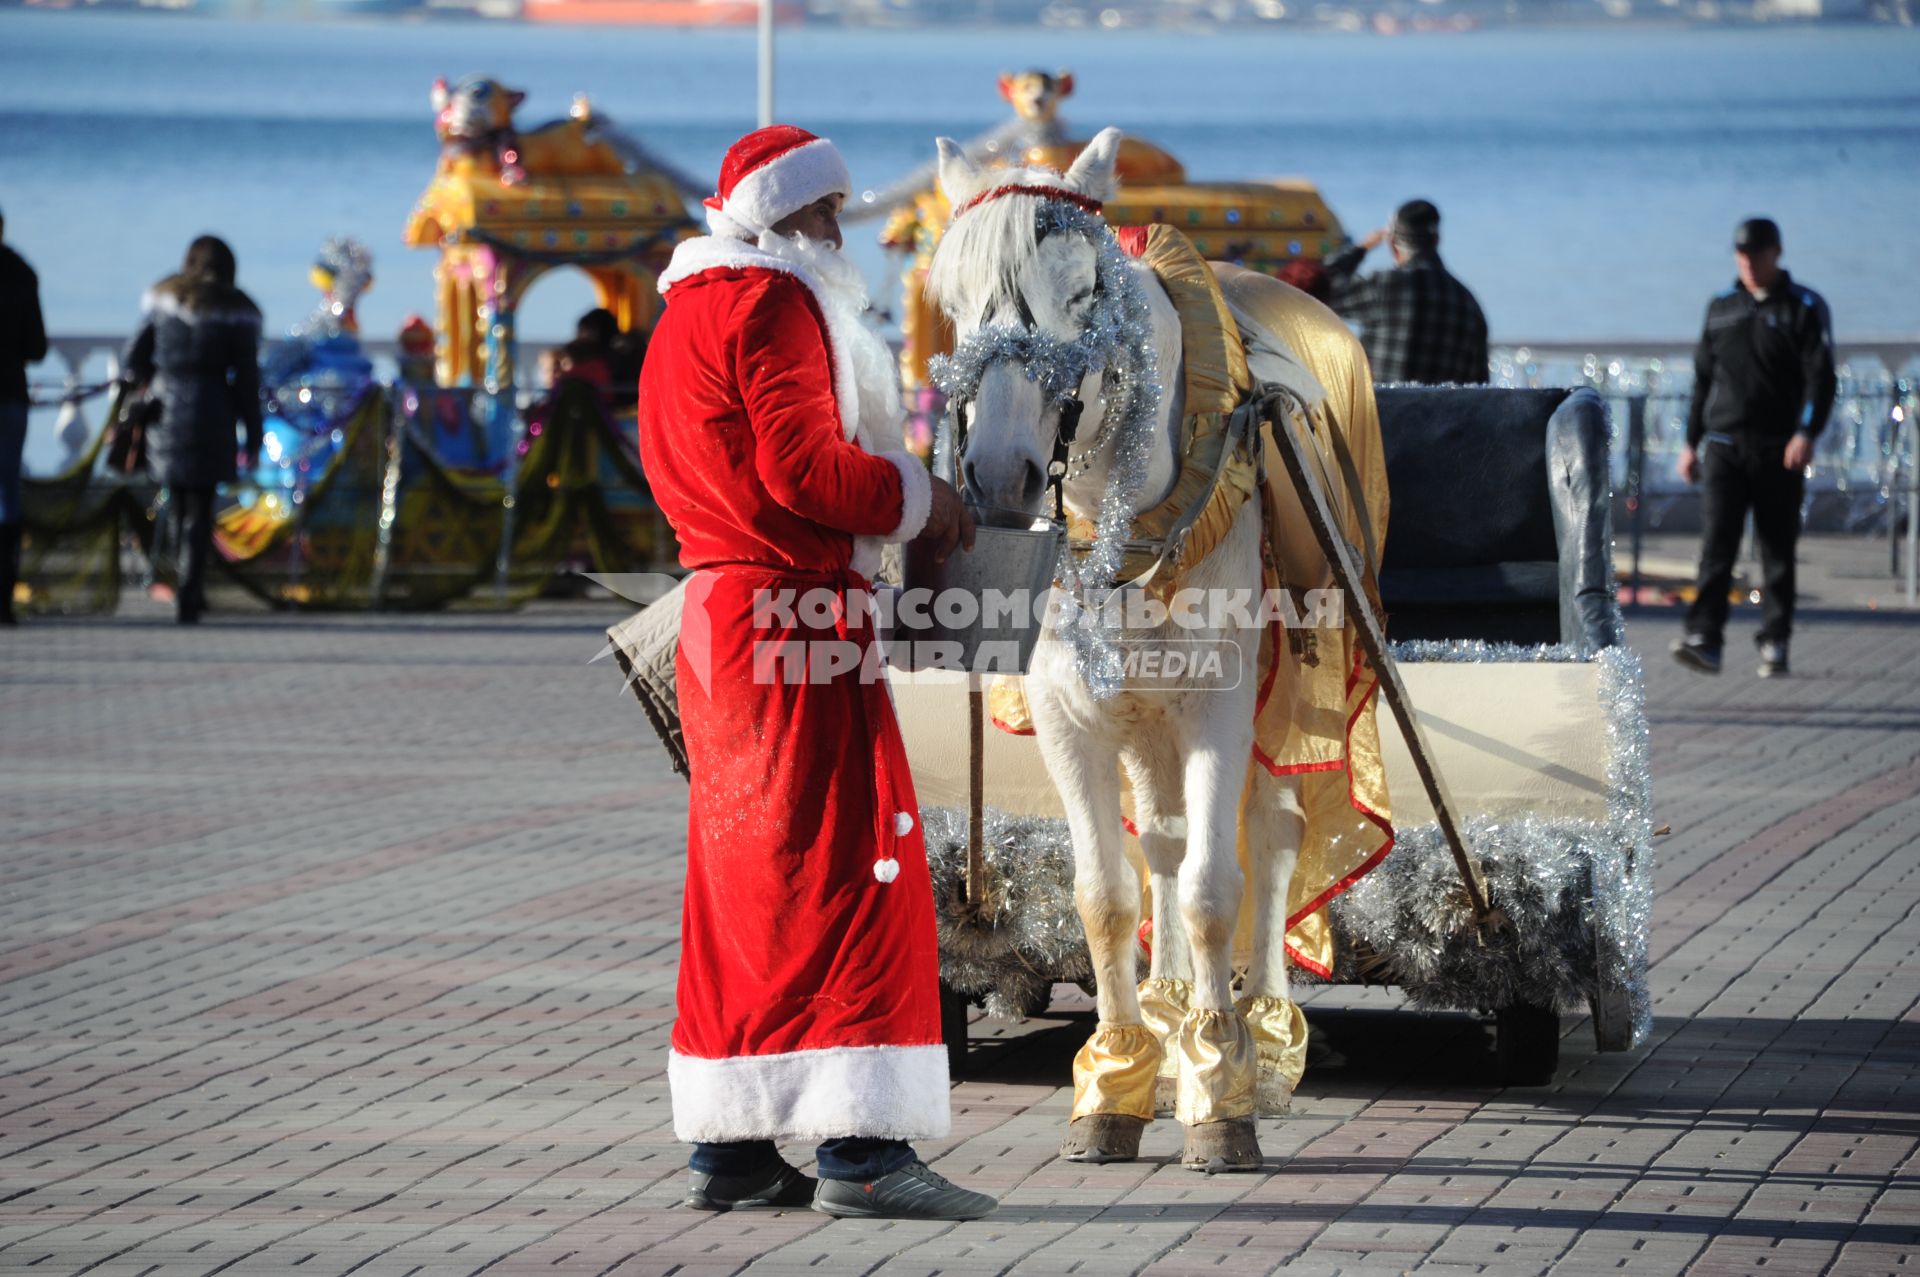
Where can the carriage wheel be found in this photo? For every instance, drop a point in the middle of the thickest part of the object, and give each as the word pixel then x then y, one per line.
pixel 1526 1043
pixel 953 1029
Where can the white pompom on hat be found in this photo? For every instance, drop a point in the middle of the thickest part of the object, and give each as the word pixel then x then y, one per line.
pixel 771 173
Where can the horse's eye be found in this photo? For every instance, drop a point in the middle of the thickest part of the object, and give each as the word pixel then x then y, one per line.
pixel 1079 297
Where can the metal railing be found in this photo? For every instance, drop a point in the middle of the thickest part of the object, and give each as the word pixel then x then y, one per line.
pixel 1865 478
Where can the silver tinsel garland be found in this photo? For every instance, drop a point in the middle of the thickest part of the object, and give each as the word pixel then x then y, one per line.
pixel 1116 341
pixel 1028 934
pixel 1578 893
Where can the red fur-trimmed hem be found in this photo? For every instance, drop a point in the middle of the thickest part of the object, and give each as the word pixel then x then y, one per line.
pixel 1010 729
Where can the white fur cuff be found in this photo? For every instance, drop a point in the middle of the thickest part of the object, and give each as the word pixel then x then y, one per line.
pixel 916 495
pixel 880 1092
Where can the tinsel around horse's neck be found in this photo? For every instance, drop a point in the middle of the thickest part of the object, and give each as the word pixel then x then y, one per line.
pixel 986 268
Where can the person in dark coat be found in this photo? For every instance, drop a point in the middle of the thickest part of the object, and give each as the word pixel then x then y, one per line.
pixel 198 353
pixel 1418 323
pixel 1763 386
pixel 23 341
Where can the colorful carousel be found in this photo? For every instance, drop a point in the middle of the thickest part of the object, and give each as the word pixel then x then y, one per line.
pixel 445 484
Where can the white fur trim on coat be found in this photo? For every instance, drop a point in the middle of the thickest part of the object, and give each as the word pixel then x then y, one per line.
pixel 880 1092
pixel 916 495
pixel 783 185
pixel 712 252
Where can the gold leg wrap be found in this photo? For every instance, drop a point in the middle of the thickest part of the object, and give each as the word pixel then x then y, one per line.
pixel 1163 1004
pixel 1114 1072
pixel 1218 1065
pixel 1280 1039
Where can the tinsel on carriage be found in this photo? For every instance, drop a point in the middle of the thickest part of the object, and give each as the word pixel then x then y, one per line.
pixel 1518 880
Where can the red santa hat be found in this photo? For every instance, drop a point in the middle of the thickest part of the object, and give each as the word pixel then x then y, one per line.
pixel 771 173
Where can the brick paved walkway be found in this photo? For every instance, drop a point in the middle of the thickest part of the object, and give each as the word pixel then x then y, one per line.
pixel 346 945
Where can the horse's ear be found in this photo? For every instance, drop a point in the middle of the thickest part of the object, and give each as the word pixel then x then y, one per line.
pixel 1063 83
pixel 440 94
pixel 1092 173
pixel 959 175
pixel 1006 86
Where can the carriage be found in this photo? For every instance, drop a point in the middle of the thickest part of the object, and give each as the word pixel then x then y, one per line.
pixel 1237 444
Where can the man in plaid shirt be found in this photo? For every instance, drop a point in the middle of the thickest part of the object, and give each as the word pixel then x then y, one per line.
pixel 1417 322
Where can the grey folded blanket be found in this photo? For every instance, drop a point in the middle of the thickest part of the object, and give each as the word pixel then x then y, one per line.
pixel 644 644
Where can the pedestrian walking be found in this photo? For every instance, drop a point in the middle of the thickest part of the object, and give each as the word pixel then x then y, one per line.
pixel 769 420
pixel 1418 323
pixel 198 356
pixel 23 341
pixel 1763 384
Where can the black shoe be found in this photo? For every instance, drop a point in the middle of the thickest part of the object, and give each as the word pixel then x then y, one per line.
pixel 1773 658
pixel 778 1185
pixel 912 1192
pixel 1694 653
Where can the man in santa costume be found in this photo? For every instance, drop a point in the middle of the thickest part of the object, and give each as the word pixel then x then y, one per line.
pixel 808 1003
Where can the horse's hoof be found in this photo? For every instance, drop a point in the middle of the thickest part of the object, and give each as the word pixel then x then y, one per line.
pixel 1103 1137
pixel 1216 1147
pixel 1164 1091
pixel 1274 1095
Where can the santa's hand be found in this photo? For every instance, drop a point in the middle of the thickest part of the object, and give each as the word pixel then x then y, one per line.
pixel 948 522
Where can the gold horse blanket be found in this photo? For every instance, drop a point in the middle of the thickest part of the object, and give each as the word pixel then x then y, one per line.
pixel 1316 713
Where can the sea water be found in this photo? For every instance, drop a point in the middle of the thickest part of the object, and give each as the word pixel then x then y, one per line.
pixel 1589 179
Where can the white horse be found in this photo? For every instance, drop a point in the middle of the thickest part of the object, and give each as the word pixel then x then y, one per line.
pixel 1034 289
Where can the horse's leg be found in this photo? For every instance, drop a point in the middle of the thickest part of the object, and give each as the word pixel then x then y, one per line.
pixel 1113 1073
pixel 1274 825
pixel 1214 1097
pixel 1153 766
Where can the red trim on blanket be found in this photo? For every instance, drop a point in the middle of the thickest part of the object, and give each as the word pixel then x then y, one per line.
pixel 1298 769
pixel 1302 960
pixel 1386 827
pixel 1010 729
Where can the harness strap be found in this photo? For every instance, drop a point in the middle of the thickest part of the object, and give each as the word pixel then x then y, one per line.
pixel 1350 476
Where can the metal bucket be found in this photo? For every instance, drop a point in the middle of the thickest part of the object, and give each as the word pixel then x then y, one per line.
pixel 979 611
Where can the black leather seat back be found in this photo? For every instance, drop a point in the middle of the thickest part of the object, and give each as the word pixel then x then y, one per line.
pixel 1497 530
pixel 1467 469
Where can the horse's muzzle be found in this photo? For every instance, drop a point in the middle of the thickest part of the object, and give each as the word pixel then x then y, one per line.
pixel 1013 483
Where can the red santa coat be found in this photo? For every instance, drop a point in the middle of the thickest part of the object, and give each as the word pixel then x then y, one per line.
pixel 808 1001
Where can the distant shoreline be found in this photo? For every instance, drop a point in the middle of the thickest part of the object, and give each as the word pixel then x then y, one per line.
pixel 1362 18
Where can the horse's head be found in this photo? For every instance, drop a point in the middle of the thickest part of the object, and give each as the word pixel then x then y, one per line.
pixel 1035 95
pixel 1048 320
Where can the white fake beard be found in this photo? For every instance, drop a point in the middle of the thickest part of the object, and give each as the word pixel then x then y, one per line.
pixel 846 304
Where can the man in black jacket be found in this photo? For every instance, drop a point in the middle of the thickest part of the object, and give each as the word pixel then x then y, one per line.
pixel 23 341
pixel 1763 386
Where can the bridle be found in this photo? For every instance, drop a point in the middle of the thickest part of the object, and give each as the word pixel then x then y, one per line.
pixel 1066 430
pixel 1061 465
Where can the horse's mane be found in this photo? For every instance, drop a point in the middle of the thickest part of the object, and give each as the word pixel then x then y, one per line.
pixel 995 239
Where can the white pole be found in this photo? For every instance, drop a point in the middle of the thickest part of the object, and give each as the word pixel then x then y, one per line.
pixel 1913 499
pixel 766 63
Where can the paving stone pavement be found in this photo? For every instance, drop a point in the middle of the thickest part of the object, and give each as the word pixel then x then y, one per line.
pixel 347 945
